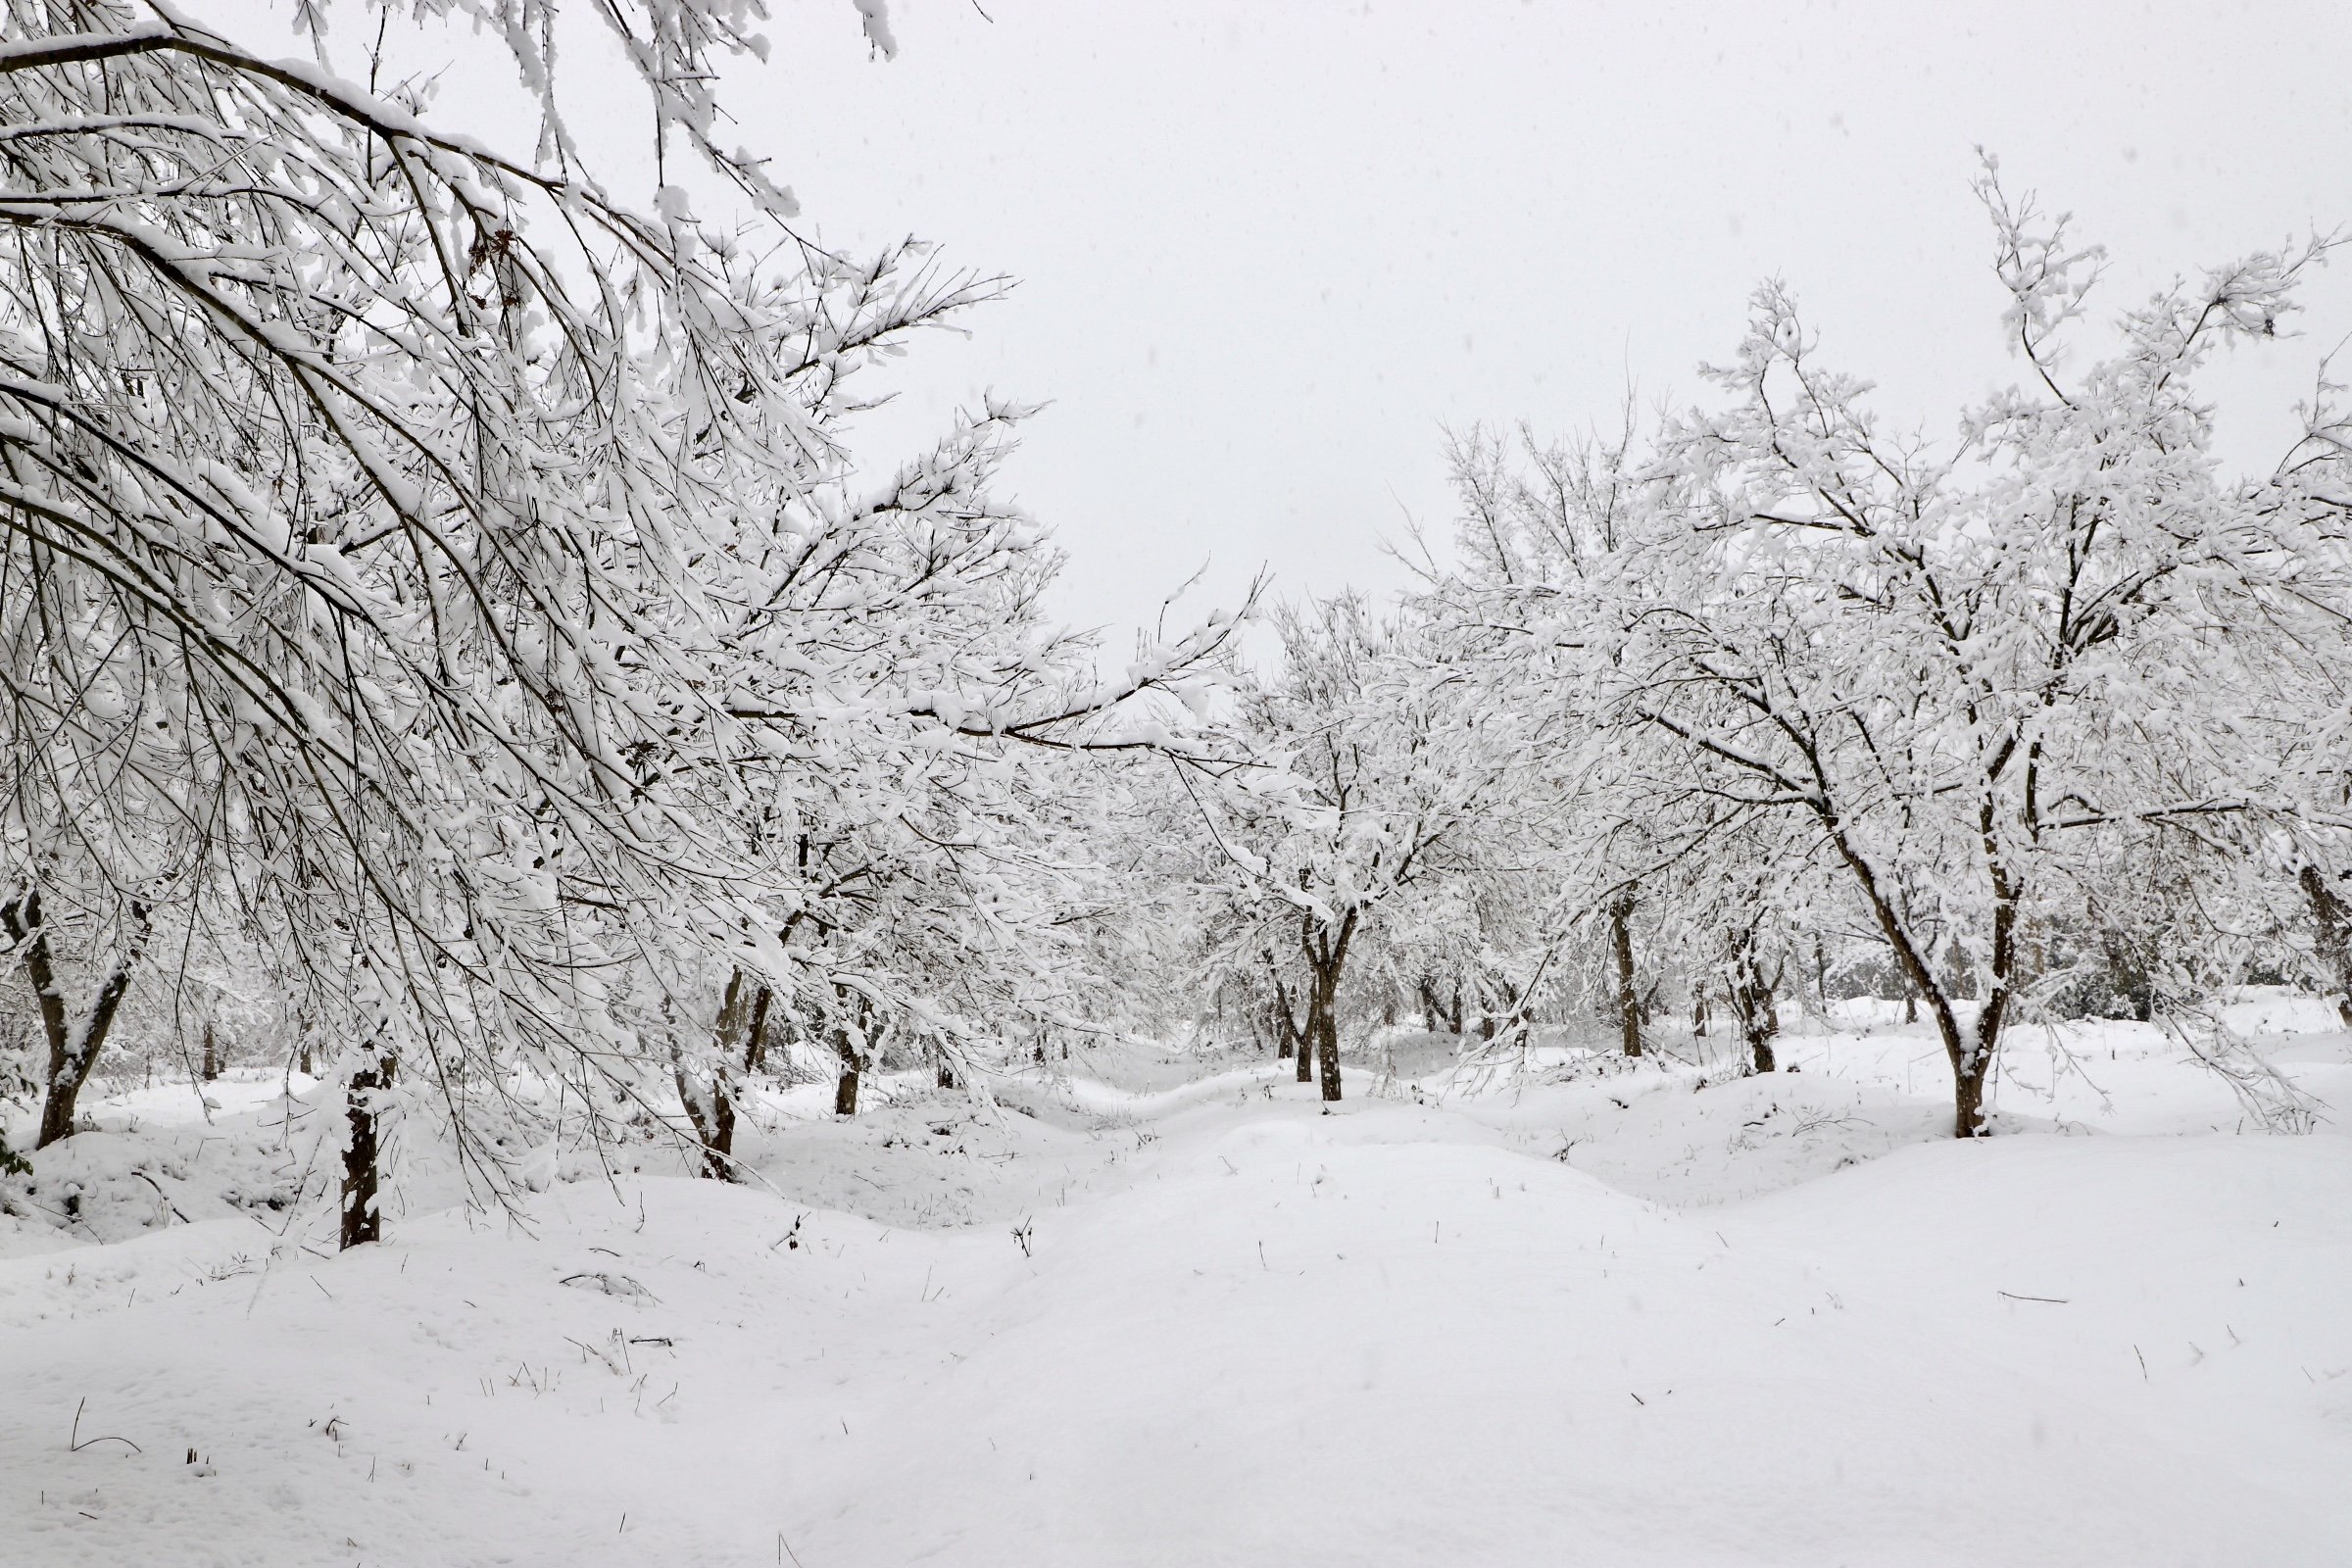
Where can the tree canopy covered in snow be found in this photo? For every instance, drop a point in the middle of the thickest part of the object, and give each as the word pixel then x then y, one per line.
pixel 510 763
pixel 451 614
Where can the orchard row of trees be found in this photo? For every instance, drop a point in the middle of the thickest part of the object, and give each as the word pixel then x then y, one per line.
pixel 443 613
pixel 443 596
pixel 2047 719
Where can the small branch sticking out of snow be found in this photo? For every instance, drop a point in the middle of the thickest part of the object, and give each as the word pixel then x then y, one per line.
pixel 75 1441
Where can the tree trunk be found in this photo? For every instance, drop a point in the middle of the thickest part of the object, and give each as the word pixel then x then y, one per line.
pixel 845 1088
pixel 755 1042
pixel 1967 1098
pixel 1429 1007
pixel 1752 1004
pixel 711 1103
pixel 711 1109
pixel 1629 1000
pixel 1758 1026
pixel 1306 1038
pixel 212 1058
pixel 362 1176
pixel 1323 1028
pixel 2332 916
pixel 73 1047
pixel 1326 954
pixel 1286 1027
pixel 1970 1050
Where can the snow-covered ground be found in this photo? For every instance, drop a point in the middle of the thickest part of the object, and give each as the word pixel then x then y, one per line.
pixel 1664 1315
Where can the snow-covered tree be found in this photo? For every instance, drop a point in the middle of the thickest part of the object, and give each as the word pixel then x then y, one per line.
pixel 1378 777
pixel 1972 675
pixel 460 575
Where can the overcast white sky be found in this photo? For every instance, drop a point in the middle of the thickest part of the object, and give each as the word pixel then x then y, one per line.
pixel 1267 251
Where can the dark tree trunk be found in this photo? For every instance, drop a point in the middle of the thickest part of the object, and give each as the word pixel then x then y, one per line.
pixel 853 1063
pixel 1303 1038
pixel 1968 1098
pixel 1969 1048
pixel 755 1041
pixel 712 1111
pixel 1323 1028
pixel 362 1152
pixel 1286 1026
pixel 1629 1000
pixel 1326 957
pixel 73 1047
pixel 2332 917
pixel 1698 1012
pixel 211 1057
pixel 1429 1007
pixel 1972 1047
pixel 1752 1001
pixel 845 1088
pixel 739 1035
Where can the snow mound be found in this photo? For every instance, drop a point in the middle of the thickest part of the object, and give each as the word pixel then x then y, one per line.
pixel 1633 1320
